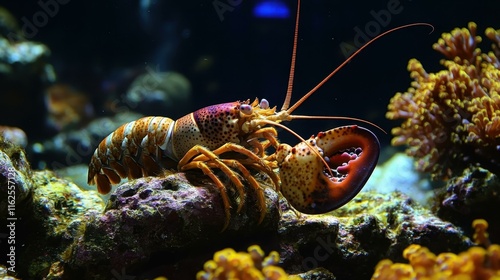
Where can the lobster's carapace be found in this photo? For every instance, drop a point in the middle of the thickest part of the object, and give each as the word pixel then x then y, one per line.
pixel 317 175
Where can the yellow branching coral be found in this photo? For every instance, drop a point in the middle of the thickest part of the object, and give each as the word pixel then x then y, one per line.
pixel 452 118
pixel 475 263
pixel 228 264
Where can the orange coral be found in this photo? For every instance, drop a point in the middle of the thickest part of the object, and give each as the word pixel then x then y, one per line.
pixel 67 107
pixel 481 235
pixel 452 118
pixel 475 263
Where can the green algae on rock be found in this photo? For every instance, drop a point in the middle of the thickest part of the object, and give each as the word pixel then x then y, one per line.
pixel 15 176
pixel 55 216
pixel 398 173
pixel 351 240
pixel 50 212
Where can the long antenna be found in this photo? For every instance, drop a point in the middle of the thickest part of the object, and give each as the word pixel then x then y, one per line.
pixel 314 89
pixel 294 56
pixel 307 117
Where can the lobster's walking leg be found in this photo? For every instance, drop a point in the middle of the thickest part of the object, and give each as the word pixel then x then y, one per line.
pixel 253 183
pixel 222 189
pixel 201 157
pixel 251 159
pixel 214 160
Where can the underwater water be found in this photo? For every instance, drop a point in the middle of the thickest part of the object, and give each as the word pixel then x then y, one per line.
pixel 72 72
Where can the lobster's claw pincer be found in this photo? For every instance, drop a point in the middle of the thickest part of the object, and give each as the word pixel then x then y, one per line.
pixel 351 153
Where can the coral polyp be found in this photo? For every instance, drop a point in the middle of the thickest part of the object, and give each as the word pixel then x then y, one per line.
pixel 475 263
pixel 229 264
pixel 451 119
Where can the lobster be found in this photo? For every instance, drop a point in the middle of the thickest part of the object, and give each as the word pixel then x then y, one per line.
pixel 234 137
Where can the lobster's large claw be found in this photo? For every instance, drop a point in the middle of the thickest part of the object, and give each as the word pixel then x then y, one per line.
pixel 351 153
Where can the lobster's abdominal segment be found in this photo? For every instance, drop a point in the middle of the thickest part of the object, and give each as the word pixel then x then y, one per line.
pixel 351 153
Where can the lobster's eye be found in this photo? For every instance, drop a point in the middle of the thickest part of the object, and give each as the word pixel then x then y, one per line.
pixel 246 109
pixel 264 104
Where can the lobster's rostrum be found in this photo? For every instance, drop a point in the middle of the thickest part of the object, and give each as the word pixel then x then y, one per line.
pixel 316 176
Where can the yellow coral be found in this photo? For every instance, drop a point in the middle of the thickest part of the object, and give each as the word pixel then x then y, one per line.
pixel 452 118
pixel 480 232
pixel 229 264
pixel 475 263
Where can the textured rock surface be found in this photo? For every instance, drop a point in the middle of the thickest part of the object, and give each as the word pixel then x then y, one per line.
pixel 351 240
pixel 168 225
pixel 48 221
pixel 474 194
pixel 59 210
pixel 15 176
pixel 162 217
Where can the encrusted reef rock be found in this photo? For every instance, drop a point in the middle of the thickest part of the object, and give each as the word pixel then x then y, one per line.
pixel 154 93
pixel 53 218
pixel 20 58
pixel 164 218
pixel 14 135
pixel 166 227
pixel 44 213
pixel 351 240
pixel 474 194
pixel 15 176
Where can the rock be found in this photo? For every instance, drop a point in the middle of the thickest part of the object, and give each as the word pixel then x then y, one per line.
pixel 350 241
pixel 157 216
pixel 21 59
pixel 159 93
pixel 15 176
pixel 169 224
pixel 474 194
pixel 50 221
pixel 14 135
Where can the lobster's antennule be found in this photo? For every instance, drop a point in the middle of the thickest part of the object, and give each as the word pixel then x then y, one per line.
pixel 302 117
pixel 313 90
pixel 288 97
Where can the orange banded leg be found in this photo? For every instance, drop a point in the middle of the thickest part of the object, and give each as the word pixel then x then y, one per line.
pixel 267 169
pixel 232 147
pixel 252 159
pixel 213 159
pixel 222 189
pixel 253 183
